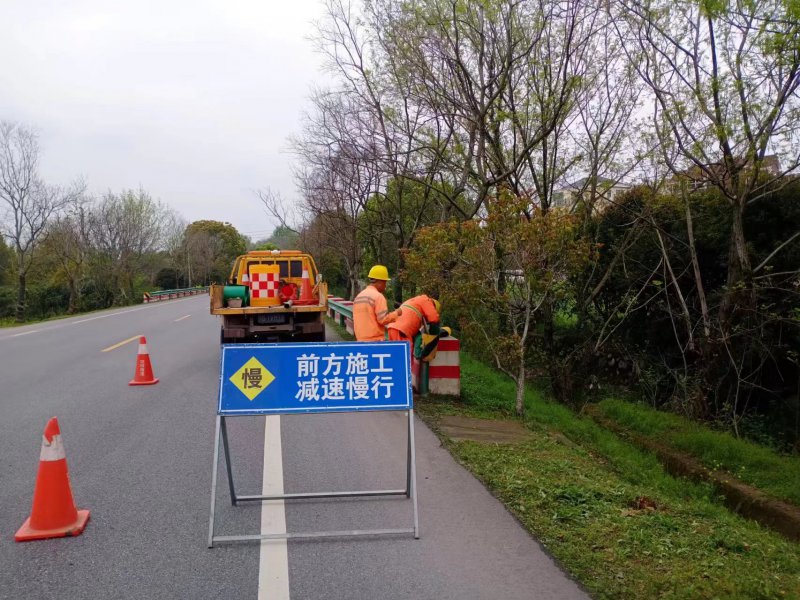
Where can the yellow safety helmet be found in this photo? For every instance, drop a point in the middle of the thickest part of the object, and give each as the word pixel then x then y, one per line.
pixel 437 305
pixel 379 272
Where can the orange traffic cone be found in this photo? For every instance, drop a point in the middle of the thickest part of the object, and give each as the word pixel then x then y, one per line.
pixel 53 513
pixel 306 293
pixel 144 371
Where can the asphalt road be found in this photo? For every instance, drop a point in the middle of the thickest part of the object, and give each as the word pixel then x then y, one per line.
pixel 140 461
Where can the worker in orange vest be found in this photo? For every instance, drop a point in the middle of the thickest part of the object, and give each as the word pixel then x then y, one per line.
pixel 370 312
pixel 418 312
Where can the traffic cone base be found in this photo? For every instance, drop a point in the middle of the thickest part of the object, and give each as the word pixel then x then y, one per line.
pixel 143 375
pixel 26 533
pixel 151 382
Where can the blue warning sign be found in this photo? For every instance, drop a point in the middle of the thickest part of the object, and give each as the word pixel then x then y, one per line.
pixel 302 378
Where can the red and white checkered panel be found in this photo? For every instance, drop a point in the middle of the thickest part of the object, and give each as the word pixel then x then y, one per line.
pixel 264 285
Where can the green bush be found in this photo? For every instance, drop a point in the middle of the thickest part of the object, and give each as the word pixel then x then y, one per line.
pixel 8 302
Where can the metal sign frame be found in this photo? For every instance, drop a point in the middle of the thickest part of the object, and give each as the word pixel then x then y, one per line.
pixel 410 490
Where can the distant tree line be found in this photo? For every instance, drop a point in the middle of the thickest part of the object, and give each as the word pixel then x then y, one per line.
pixel 64 251
pixel 599 191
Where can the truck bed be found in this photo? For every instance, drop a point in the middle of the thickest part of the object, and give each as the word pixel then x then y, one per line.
pixel 218 304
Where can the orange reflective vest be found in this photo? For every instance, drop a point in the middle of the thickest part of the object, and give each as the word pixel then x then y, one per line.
pixel 416 311
pixel 371 315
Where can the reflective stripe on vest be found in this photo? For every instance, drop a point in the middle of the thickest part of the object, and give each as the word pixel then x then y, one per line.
pixel 419 314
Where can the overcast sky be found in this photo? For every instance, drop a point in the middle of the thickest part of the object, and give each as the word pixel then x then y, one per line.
pixel 191 99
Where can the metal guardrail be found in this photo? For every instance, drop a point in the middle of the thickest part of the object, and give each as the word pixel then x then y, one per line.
pixel 160 295
pixel 341 306
pixel 341 311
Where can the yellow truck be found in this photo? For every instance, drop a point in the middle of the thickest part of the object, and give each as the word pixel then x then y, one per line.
pixel 271 296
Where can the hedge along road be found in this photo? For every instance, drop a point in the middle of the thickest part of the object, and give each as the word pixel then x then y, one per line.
pixel 140 461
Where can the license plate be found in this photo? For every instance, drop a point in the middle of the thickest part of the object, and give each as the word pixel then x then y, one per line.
pixel 270 319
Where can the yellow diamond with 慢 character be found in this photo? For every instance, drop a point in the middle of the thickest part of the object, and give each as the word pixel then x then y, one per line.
pixel 252 378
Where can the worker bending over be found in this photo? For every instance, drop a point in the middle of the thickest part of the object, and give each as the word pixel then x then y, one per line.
pixel 418 312
pixel 370 312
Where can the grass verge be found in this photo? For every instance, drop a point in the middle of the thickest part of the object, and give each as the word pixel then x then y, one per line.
pixel 12 322
pixel 608 511
pixel 778 476
pixel 340 331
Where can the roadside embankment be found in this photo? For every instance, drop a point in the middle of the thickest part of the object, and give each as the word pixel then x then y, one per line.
pixel 779 477
pixel 607 510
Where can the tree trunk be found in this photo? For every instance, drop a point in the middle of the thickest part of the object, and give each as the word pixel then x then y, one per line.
pixel 74 297
pixel 548 318
pixel 398 293
pixel 739 272
pixel 398 287
pixel 698 279
pixel 21 298
pixel 520 402
pixel 352 285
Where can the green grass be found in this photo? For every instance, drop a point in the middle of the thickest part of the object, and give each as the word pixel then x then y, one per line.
pixel 575 486
pixel 340 331
pixel 12 322
pixel 761 467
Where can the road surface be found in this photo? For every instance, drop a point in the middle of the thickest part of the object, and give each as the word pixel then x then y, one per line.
pixel 140 461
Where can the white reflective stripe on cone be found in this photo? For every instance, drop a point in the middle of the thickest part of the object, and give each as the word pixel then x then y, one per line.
pixel 52 450
pixel 142 348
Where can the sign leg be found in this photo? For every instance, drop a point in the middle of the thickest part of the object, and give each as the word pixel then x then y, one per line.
pixel 413 472
pixel 408 463
pixel 228 467
pixel 214 484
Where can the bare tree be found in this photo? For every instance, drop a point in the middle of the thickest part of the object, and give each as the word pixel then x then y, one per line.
pixel 202 250
pixel 276 207
pixel 724 81
pixel 68 241
pixel 340 170
pixel 126 228
pixel 368 47
pixel 173 236
pixel 29 203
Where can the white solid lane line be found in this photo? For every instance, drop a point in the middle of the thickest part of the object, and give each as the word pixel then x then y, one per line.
pixel 103 316
pixel 122 312
pixel 182 318
pixel 273 569
pixel 25 333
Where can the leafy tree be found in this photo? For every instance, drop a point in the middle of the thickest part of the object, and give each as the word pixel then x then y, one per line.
pixel 284 238
pixel 127 229
pixel 390 221
pixel 67 243
pixel 6 261
pixel 264 245
pixel 211 248
pixel 460 263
